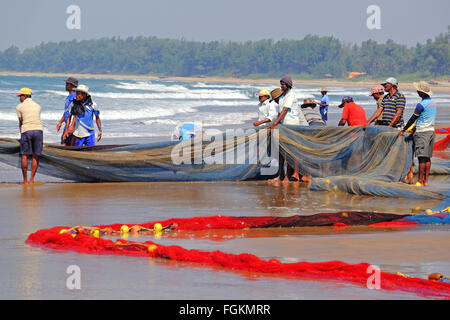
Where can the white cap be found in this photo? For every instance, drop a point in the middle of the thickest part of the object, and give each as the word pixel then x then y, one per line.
pixel 392 81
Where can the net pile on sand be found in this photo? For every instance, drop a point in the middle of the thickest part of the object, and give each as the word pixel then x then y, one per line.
pixel 90 240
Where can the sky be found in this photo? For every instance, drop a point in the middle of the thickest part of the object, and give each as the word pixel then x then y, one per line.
pixel 27 23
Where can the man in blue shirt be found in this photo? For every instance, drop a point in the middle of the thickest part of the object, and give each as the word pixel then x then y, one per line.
pixel 71 84
pixel 83 109
pixel 324 103
pixel 185 131
pixel 423 118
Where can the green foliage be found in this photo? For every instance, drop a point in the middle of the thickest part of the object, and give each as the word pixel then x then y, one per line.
pixel 311 57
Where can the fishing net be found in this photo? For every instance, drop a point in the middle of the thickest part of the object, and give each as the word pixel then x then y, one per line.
pixel 189 160
pixel 357 161
pixel 89 240
pixel 347 159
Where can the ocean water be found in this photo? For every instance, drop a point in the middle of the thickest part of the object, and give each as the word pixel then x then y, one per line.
pixel 139 111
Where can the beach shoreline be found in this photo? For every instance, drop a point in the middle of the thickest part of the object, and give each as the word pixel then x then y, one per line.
pixel 442 86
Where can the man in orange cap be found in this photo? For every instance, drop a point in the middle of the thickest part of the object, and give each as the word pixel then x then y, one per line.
pixel 31 133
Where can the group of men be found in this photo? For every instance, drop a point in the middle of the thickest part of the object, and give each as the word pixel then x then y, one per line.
pixel 78 120
pixel 280 106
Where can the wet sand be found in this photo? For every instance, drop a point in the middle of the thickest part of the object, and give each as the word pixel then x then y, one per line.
pixel 34 273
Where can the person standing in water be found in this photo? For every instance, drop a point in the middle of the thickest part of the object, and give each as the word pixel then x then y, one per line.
pixel 31 133
pixel 324 103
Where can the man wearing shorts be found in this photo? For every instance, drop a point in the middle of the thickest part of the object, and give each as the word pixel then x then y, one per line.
pixel 31 133
pixel 424 118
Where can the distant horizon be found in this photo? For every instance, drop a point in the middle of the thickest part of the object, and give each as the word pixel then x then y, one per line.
pixel 121 37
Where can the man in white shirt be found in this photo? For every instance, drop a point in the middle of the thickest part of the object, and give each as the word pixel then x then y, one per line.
pixel 290 113
pixel 267 112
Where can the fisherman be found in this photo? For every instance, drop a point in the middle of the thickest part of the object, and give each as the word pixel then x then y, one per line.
pixel 71 84
pixel 353 114
pixel 424 117
pixel 83 109
pixel 393 105
pixel 290 115
pixel 31 133
pixel 267 111
pixel 324 103
pixel 288 106
pixel 276 94
pixel 313 116
pixel 378 95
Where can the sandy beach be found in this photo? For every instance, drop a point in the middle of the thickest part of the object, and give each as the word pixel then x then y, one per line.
pixel 441 86
pixel 37 273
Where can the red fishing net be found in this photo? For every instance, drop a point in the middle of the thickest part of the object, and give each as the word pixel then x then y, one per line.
pixel 88 240
pixel 443 143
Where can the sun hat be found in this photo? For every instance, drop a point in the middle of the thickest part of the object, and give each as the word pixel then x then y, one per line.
pixel 287 80
pixel 324 90
pixel 376 89
pixel 424 87
pixel 264 92
pixel 276 93
pixel 25 91
pixel 390 80
pixel 345 99
pixel 308 103
pixel 83 88
pixel 73 81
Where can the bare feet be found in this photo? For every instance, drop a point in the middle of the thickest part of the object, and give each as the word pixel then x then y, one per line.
pixel 25 182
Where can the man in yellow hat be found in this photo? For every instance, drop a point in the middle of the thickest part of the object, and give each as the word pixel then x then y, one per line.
pixel 31 133
pixel 267 112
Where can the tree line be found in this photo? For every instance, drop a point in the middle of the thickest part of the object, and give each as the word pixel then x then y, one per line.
pixel 313 56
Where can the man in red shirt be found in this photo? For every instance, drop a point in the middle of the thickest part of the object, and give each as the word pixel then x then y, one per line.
pixel 353 114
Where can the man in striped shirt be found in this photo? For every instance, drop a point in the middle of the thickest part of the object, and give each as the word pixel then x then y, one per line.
pixel 393 104
pixel 313 116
